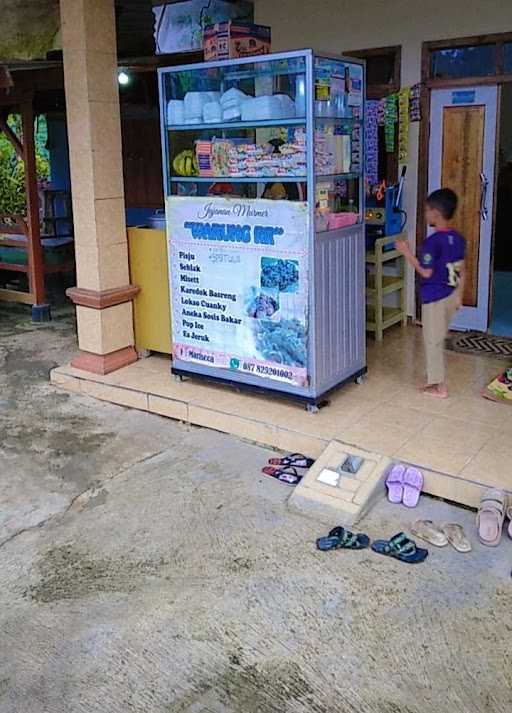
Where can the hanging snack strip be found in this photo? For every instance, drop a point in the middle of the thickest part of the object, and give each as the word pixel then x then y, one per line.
pixel 390 119
pixel 372 142
pixel 381 112
pixel 356 141
pixel 415 103
pixel 403 125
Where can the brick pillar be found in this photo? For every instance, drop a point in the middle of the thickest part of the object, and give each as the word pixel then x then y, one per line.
pixel 103 295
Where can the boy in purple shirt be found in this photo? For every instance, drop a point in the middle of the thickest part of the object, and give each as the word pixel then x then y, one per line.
pixel 441 269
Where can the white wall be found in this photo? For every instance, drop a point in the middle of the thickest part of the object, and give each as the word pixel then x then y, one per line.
pixel 342 25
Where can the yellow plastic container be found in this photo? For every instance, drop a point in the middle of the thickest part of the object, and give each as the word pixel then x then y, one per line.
pixel 152 306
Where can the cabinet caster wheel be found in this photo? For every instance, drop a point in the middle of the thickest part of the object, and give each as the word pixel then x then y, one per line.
pixel 360 380
pixel 312 408
pixel 177 378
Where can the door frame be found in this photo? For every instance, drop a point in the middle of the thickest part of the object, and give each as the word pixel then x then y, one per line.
pixel 476 317
pixel 428 83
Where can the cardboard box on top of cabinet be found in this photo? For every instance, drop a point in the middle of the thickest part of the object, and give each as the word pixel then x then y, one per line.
pixel 230 40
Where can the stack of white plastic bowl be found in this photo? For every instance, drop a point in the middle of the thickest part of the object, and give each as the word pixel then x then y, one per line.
pixel 212 112
pixel 194 102
pixel 262 108
pixel 231 102
pixel 175 112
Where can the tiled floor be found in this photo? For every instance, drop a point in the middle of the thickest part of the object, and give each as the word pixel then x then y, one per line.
pixel 464 436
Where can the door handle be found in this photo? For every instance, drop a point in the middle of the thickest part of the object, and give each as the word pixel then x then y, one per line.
pixel 484 185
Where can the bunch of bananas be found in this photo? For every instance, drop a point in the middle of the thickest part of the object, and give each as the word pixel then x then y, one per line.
pixel 185 163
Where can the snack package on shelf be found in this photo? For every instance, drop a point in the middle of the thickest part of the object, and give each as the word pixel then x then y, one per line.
pixel 238 159
pixel 220 156
pixel 333 150
pixel 325 154
pixel 204 158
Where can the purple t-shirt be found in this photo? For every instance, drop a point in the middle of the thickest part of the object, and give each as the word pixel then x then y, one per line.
pixel 443 253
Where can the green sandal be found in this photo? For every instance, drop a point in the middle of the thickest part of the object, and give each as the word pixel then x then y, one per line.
pixel 401 548
pixel 339 538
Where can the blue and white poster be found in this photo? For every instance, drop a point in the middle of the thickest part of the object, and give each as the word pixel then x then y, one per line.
pixel 239 285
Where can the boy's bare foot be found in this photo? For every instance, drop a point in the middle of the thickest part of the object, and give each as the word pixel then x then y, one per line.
pixel 439 391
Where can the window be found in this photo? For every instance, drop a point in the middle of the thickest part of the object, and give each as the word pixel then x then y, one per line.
pixel 382 79
pixel 507 57
pixel 382 70
pixel 459 62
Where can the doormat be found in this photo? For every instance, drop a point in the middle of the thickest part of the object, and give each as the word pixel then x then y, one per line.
pixel 478 343
pixel 500 389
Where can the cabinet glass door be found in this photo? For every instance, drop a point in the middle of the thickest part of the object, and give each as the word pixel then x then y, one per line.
pixel 338 106
pixel 231 126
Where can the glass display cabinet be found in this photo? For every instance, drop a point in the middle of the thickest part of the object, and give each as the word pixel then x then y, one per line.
pixel 264 189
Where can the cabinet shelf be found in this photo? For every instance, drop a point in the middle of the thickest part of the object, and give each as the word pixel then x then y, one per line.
pixel 390 316
pixel 237 75
pixel 238 179
pixel 297 121
pixel 336 176
pixel 260 179
pixel 373 258
pixel 389 285
pixel 339 119
pixel 378 315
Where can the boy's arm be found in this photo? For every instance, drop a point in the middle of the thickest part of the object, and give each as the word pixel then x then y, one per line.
pixel 403 247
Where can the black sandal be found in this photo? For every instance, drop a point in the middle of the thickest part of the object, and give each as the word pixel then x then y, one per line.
pixel 295 460
pixel 285 475
pixel 401 548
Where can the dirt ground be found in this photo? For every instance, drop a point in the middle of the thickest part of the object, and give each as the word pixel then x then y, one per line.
pixel 149 567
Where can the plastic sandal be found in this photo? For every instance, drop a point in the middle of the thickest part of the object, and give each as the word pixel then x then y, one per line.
pixel 296 460
pixel 430 532
pixel 413 484
pixel 394 484
pixel 457 537
pixel 285 475
pixel 490 517
pixel 401 548
pixel 339 538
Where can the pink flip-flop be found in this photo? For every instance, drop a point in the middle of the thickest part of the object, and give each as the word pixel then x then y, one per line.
pixel 413 484
pixel 394 484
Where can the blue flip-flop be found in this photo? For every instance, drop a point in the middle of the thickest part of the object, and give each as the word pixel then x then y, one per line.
pixel 401 548
pixel 341 539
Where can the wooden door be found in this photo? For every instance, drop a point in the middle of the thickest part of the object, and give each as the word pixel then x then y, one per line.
pixel 463 145
pixel 462 156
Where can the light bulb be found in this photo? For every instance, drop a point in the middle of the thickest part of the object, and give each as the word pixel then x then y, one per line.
pixel 123 78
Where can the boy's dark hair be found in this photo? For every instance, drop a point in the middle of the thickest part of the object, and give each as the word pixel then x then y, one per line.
pixel 445 201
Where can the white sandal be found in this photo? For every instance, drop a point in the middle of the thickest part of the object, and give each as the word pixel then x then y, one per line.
pixel 490 517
